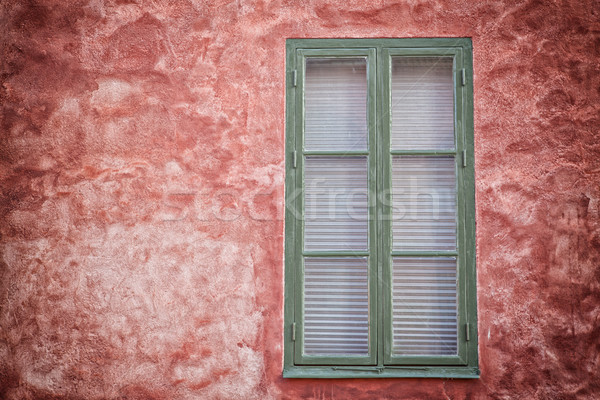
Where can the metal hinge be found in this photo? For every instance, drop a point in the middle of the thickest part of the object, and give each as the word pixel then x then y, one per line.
pixel 293 331
pixel 463 74
pixel 294 78
pixel 467 332
pixel 294 158
pixel 464 158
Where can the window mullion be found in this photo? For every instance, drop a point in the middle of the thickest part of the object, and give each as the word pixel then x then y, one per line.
pixel 373 225
pixel 374 190
pixel 385 204
pixel 382 211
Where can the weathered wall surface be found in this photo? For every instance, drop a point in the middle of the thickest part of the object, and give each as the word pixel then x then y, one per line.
pixel 142 148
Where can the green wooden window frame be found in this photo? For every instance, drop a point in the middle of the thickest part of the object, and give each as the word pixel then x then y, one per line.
pixel 380 363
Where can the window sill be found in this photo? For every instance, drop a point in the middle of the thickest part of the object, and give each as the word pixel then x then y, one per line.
pixel 330 372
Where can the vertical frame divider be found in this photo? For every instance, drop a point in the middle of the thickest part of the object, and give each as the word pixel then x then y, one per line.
pixel 386 196
pixel 374 249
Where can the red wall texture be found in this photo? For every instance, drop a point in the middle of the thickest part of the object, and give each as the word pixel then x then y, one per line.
pixel 142 170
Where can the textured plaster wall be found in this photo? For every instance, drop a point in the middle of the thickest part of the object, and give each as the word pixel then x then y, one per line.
pixel 142 170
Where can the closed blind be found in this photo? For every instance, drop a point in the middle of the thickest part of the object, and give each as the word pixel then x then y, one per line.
pixel 335 104
pixel 336 306
pixel 424 203
pixel 336 206
pixel 424 306
pixel 422 103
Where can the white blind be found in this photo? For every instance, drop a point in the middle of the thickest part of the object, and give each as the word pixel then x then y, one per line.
pixel 335 289
pixel 424 203
pixel 336 306
pixel 424 290
pixel 424 304
pixel 335 104
pixel 336 206
pixel 422 103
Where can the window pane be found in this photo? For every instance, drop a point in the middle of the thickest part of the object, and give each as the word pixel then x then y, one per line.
pixel 422 103
pixel 335 104
pixel 424 203
pixel 336 306
pixel 424 306
pixel 336 205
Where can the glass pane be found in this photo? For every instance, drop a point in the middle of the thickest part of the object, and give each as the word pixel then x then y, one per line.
pixel 336 204
pixel 335 104
pixel 424 306
pixel 422 103
pixel 424 203
pixel 336 306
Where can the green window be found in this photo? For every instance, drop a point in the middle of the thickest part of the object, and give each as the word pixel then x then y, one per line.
pixel 380 209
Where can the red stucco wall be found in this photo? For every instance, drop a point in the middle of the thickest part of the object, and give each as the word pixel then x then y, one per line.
pixel 142 148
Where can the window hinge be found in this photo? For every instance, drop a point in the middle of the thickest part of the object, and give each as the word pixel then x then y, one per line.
pixel 294 78
pixel 464 158
pixel 293 331
pixel 294 158
pixel 463 73
pixel 467 332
